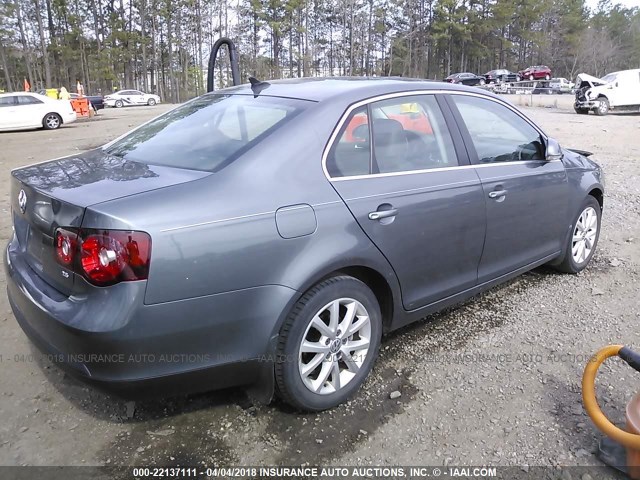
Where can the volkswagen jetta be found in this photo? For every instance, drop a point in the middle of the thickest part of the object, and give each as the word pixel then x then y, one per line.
pixel 269 235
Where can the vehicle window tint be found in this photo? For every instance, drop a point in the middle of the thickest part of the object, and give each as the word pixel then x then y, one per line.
pixel 498 134
pixel 207 133
pixel 351 153
pixel 409 133
pixel 6 102
pixel 247 122
pixel 27 100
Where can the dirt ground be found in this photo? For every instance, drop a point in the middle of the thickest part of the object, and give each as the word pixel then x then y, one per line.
pixel 495 381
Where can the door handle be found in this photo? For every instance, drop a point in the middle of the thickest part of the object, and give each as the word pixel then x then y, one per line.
pixel 497 193
pixel 383 214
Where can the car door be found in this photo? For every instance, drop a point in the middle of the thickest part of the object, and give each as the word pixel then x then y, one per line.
pixel 138 97
pixel 7 112
pixel 402 170
pixel 467 78
pixel 30 111
pixel 127 97
pixel 526 196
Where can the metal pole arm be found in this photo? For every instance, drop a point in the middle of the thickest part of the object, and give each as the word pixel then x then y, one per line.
pixel 233 59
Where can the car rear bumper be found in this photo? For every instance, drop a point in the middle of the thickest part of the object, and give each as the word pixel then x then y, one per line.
pixel 69 117
pixel 137 350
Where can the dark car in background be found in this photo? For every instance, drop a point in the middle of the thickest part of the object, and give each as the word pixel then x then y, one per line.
pixel 536 72
pixel 465 78
pixel 269 236
pixel 501 76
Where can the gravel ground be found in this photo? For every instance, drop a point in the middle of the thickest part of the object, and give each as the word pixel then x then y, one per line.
pixel 494 381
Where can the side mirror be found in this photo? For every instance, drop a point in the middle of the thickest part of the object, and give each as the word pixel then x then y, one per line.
pixel 554 151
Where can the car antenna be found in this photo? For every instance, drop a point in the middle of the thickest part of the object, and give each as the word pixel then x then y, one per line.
pixel 257 86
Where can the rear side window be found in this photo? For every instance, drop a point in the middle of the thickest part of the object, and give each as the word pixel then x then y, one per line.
pixel 27 100
pixel 409 133
pixel 350 155
pixel 207 133
pixel 498 134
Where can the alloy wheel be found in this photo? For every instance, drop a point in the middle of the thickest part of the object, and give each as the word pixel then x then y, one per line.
pixel 602 107
pixel 52 121
pixel 334 346
pixel 584 235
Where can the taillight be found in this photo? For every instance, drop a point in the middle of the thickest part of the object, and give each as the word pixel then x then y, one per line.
pixel 105 257
pixel 66 246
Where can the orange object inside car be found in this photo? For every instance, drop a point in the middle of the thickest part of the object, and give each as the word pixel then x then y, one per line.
pixel 413 119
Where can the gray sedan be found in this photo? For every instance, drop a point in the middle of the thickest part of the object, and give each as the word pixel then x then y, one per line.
pixel 267 236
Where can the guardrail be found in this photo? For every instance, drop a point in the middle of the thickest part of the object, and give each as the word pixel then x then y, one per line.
pixel 525 87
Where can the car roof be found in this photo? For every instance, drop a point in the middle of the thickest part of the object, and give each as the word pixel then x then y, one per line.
pixel 15 94
pixel 320 89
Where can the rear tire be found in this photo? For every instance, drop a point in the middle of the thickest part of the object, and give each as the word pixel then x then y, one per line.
pixel 584 237
pixel 51 121
pixel 319 366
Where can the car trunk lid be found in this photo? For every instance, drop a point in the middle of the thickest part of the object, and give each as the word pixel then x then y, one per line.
pixel 56 193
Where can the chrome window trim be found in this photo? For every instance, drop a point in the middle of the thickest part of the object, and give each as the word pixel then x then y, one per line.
pixel 411 93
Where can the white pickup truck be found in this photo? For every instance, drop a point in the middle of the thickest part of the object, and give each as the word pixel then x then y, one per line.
pixel 615 91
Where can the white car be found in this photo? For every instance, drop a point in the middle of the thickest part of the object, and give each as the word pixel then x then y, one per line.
pixel 24 110
pixel 617 90
pixel 561 85
pixel 127 98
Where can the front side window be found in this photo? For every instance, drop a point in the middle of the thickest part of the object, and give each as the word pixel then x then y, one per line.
pixel 409 133
pixel 498 134
pixel 207 133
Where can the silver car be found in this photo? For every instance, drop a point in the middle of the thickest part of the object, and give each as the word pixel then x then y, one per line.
pixel 268 236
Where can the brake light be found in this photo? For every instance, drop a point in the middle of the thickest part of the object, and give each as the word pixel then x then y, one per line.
pixel 105 257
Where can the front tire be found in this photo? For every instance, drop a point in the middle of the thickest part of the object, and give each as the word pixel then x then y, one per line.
pixel 328 344
pixel 51 121
pixel 603 107
pixel 151 102
pixel 584 237
pixel 547 77
pixel 119 104
pixel 481 82
pixel 530 77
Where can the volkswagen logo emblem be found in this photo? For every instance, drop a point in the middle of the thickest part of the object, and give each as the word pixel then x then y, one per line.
pixel 22 201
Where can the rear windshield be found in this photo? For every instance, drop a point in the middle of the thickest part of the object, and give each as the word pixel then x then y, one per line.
pixel 207 133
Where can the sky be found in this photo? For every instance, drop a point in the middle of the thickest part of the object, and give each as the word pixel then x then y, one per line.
pixel 626 3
